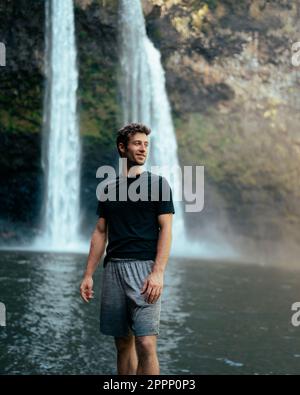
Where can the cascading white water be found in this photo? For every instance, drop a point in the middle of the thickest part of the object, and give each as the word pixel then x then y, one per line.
pixel 144 99
pixel 61 145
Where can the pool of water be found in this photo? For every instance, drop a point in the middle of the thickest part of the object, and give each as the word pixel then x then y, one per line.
pixel 216 318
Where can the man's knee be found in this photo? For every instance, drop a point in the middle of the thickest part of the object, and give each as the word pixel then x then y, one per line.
pixel 145 344
pixel 124 343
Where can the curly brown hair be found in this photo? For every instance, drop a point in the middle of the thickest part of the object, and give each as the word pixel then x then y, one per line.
pixel 130 130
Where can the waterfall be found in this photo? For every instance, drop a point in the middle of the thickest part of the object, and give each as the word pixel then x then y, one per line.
pixel 144 99
pixel 61 140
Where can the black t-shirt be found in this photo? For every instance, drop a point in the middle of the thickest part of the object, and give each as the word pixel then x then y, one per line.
pixel 133 227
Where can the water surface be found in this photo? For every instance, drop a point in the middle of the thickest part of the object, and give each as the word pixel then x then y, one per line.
pixel 217 318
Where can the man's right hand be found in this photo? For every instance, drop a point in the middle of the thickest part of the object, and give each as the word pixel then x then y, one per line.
pixel 86 289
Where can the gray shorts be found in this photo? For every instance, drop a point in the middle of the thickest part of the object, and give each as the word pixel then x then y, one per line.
pixel 123 309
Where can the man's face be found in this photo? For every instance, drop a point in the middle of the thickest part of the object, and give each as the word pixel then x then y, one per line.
pixel 137 149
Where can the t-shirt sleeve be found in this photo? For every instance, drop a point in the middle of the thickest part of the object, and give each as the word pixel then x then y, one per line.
pixel 101 209
pixel 165 204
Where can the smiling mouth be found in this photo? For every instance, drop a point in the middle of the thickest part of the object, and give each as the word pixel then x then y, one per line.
pixel 142 156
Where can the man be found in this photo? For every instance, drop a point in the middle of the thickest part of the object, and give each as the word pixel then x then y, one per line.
pixel 139 242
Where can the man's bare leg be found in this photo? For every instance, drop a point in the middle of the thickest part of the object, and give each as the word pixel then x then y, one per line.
pixel 127 361
pixel 147 356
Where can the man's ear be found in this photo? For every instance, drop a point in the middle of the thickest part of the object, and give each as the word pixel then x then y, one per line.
pixel 122 147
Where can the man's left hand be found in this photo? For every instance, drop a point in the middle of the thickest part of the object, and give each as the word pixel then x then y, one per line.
pixel 153 286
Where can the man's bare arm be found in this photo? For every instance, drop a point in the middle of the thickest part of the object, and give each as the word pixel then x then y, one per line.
pixel 97 248
pixel 153 284
pixel 164 242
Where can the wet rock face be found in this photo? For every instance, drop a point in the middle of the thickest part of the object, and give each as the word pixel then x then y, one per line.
pixel 22 27
pixel 233 89
pixel 234 94
pixel 21 98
